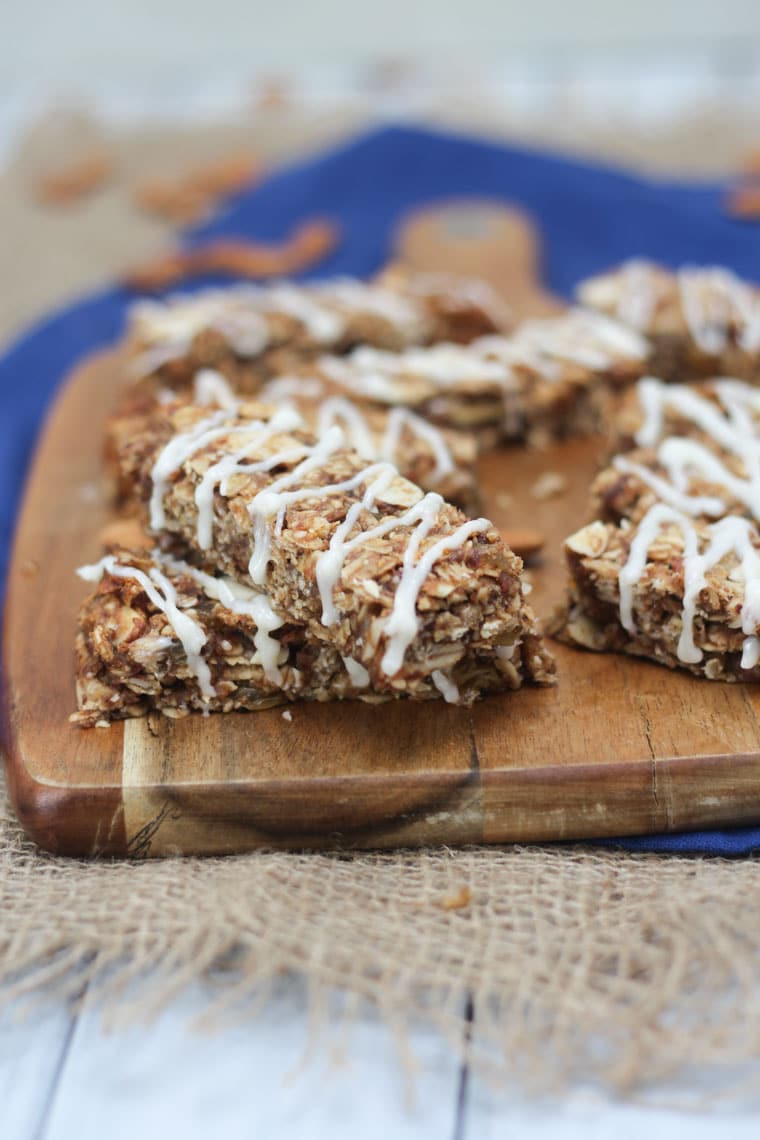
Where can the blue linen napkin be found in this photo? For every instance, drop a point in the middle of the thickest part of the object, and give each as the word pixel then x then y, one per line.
pixel 589 216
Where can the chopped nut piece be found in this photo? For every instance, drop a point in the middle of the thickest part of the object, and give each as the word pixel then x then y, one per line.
pixel 549 485
pixel 80 178
pixel 743 202
pixel 191 197
pixel 458 900
pixel 526 543
pixel 307 246
pixel 125 532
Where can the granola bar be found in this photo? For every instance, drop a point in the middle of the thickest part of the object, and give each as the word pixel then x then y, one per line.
pixel 670 569
pixel 692 447
pixel 250 333
pixel 161 635
pixel 436 458
pixel 550 378
pixel 397 580
pixel 680 591
pixel 700 321
pixel 708 410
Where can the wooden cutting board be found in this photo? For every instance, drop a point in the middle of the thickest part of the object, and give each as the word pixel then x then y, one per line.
pixel 619 747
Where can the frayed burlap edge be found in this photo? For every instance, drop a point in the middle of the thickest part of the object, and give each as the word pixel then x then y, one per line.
pixel 579 964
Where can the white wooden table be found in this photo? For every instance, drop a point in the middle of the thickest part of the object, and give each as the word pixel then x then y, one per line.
pixel 67 1078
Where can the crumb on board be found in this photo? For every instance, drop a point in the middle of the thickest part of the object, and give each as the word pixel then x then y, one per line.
pixel 750 163
pixel 743 202
pixel 504 500
pixel 306 246
pixel 174 203
pixel 457 900
pixel 127 532
pixel 549 485
pixel 199 192
pixel 287 715
pixel 526 543
pixel 75 180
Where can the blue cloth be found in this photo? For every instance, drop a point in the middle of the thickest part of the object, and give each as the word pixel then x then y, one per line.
pixel 590 217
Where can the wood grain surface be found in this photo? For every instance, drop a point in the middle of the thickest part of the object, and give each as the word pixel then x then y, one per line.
pixel 619 747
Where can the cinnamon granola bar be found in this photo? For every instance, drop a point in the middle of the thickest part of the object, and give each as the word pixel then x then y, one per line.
pixel 395 579
pixel 700 321
pixel 161 635
pixel 250 333
pixel 670 569
pixel 436 458
pixel 550 378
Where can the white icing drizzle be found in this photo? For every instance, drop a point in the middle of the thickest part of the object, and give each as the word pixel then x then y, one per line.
pixel 398 419
pixel 211 388
pixel 179 448
pixel 376 375
pixel 273 501
pixel 358 675
pixel 243 314
pixel 402 625
pixel 276 498
pixel 330 562
pixel 323 324
pixel 750 652
pixel 240 599
pixel 728 535
pixel 715 300
pixel 731 428
pixel 735 432
pixel 631 293
pixel 581 336
pixel 163 595
pixel 151 359
pixel 358 434
pixel 639 296
pixel 445 686
pixel 399 311
pixel 677 498
pixel 285 419
pixel 473 290
pixel 291 387
pixel 168 327
pixel 361 438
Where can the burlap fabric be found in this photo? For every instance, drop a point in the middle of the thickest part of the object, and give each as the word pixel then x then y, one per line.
pixel 578 963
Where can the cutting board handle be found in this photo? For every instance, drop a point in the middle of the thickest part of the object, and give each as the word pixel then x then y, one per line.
pixel 483 238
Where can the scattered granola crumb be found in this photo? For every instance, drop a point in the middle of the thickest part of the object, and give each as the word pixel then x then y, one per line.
pixel 504 500
pixel 273 94
pixel 126 532
pixel 751 161
pixel 743 202
pixel 196 195
pixel 526 543
pixel 287 715
pixel 80 178
pixel 306 246
pixel 549 485
pixel 225 175
pixel 457 900
pixel 173 202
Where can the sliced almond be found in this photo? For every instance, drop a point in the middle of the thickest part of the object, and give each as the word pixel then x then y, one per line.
pixel 526 543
